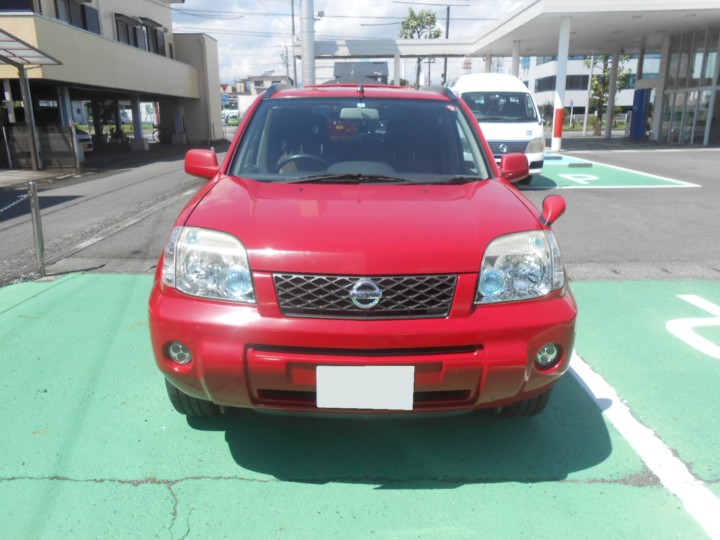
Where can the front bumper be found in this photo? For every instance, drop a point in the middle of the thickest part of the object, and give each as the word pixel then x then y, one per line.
pixel 254 357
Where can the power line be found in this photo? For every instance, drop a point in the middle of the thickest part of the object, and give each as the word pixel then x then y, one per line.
pixel 212 14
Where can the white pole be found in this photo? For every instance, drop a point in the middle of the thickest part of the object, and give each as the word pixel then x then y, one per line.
pixel 589 95
pixel 307 41
pixel 563 48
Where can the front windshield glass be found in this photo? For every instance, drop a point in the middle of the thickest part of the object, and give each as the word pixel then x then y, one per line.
pixel 350 139
pixel 501 106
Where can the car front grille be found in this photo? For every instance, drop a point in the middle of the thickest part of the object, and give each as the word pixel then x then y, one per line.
pixel 513 147
pixel 402 297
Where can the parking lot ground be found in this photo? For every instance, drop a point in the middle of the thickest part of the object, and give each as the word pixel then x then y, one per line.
pixel 658 342
pixel 570 172
pixel 92 448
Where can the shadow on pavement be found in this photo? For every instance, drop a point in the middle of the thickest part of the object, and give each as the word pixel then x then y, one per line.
pixel 577 143
pixel 439 453
pixel 7 197
pixel 109 159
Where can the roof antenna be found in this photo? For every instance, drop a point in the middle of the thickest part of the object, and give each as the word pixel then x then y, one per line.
pixel 361 90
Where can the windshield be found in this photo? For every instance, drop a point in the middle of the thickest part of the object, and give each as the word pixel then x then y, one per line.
pixel 501 106
pixel 359 140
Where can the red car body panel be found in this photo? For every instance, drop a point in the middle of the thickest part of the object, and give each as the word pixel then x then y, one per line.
pixel 254 356
pixel 311 228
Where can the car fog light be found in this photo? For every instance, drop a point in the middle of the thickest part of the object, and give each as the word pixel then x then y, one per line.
pixel 547 356
pixel 179 353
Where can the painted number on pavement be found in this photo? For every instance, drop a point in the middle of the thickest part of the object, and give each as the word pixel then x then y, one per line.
pixel 582 179
pixel 684 329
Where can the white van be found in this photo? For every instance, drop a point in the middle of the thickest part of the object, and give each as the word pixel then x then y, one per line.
pixel 507 113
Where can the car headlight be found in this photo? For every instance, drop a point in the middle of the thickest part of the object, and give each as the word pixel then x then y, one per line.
pixel 520 266
pixel 536 146
pixel 207 263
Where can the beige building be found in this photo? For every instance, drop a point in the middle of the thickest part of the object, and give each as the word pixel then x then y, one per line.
pixel 117 59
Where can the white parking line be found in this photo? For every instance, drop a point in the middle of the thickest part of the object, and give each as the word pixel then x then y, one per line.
pixel 700 502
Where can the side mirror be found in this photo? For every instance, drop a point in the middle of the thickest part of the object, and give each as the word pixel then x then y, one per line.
pixel 202 163
pixel 553 208
pixel 514 167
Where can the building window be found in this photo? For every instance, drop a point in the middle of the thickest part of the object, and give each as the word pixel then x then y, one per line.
pixel 142 33
pixel 576 82
pixel 91 19
pixel 123 32
pixel 17 5
pixel 62 10
pixel 546 84
pixel 76 15
pixel 155 36
pixel 140 39
pixel 160 42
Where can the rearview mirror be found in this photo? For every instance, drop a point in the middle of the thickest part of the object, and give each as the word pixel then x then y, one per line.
pixel 553 208
pixel 514 167
pixel 202 163
pixel 358 113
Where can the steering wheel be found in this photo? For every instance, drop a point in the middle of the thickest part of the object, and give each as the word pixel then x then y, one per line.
pixel 296 157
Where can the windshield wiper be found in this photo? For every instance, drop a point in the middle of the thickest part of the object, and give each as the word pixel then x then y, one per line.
pixel 460 179
pixel 349 178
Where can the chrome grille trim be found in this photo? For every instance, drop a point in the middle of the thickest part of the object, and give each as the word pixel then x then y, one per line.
pixel 403 297
pixel 513 147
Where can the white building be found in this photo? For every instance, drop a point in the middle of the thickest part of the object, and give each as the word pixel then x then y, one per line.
pixel 676 45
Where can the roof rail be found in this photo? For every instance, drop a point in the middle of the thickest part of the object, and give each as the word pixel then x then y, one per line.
pixel 276 88
pixel 444 90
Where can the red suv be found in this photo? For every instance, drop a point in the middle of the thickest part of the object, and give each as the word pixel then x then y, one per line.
pixel 358 251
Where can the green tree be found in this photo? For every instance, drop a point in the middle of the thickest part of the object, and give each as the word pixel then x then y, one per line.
pixel 600 86
pixel 420 25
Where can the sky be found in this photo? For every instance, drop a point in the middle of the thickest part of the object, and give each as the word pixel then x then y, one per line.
pixel 253 35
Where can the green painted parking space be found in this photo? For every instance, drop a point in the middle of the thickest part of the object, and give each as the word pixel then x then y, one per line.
pixel 92 448
pixel 568 172
pixel 658 344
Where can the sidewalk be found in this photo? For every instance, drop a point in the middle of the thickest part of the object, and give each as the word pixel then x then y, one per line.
pixel 102 162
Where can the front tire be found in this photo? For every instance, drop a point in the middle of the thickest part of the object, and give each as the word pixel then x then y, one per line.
pixel 190 406
pixel 526 407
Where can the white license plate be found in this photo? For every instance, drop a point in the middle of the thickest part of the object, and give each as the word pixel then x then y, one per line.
pixel 365 387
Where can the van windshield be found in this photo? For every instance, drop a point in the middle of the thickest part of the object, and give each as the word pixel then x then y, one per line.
pixel 501 106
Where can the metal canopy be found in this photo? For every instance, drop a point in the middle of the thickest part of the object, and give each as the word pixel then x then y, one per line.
pixel 598 27
pixel 16 52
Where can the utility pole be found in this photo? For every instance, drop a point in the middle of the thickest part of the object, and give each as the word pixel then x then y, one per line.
pixel 307 39
pixel 292 23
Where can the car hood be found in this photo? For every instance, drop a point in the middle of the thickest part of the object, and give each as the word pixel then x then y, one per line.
pixel 365 229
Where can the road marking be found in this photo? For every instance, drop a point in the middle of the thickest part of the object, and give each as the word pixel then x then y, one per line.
pixel 604 176
pixel 583 179
pixel 116 228
pixel 684 329
pixel 700 502
pixel 682 183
